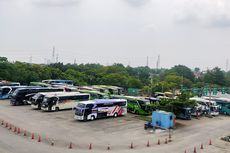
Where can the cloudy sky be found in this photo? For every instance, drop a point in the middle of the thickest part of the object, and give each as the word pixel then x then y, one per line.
pixel 195 33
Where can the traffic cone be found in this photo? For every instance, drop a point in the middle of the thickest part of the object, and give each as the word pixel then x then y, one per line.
pixel 6 125
pixel 210 142
pixel 70 145
pixel 52 143
pixel 25 133
pixel 166 141
pixel 15 129
pixel 39 138
pixel 148 145
pixel 10 127
pixel 131 145
pixel 19 130
pixel 202 146
pixel 32 136
pixel 159 142
pixel 108 147
pixel 194 151
pixel 90 146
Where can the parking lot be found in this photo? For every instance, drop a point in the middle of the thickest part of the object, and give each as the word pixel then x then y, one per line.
pixel 118 133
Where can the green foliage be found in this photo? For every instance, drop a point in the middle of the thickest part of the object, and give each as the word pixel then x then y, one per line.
pixel 215 76
pixel 150 80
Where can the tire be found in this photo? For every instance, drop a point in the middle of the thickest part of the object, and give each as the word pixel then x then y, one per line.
pixel 115 115
pixel 92 118
pixel 56 109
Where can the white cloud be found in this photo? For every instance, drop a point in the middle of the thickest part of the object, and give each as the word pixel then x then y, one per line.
pixel 55 3
pixel 208 13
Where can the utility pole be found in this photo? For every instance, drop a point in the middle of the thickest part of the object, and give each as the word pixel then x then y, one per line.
pixel 74 61
pixel 147 62
pixel 227 64
pixel 158 62
pixel 30 59
pixel 53 55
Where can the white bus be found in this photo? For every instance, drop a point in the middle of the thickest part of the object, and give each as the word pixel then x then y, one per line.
pixel 37 99
pixel 100 108
pixel 208 106
pixel 63 101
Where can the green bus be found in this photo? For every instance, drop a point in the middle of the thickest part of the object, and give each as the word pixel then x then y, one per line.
pixel 136 105
pixel 95 94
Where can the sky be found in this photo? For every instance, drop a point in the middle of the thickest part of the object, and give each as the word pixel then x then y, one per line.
pixel 194 33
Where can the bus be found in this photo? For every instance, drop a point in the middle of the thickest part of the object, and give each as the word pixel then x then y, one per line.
pixel 136 105
pixel 100 108
pixel 211 104
pixel 63 101
pixel 37 99
pixel 224 105
pixel 41 84
pixel 113 90
pixel 183 113
pixel 6 91
pixel 7 83
pixel 95 94
pixel 59 82
pixel 22 95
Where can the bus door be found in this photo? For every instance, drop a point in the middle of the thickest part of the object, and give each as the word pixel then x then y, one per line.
pixel 88 110
pixel 4 93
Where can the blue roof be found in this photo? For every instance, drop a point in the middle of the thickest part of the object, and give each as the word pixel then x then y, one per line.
pixel 108 100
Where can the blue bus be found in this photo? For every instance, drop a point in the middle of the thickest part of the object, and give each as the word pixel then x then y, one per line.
pixel 224 105
pixel 6 91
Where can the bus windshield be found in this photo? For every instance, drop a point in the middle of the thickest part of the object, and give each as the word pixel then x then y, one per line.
pixel 80 105
pixel 143 102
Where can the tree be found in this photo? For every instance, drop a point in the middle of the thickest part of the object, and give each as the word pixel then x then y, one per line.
pixel 215 76
pixel 183 71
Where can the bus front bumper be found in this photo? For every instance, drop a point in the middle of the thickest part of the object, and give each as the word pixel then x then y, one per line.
pixel 78 117
pixel 34 106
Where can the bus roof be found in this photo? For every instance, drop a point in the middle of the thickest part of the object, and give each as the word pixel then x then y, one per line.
pixel 92 92
pixel 67 94
pixel 99 101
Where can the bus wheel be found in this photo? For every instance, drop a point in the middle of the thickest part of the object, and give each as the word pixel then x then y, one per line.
pixel 56 109
pixel 92 117
pixel 115 115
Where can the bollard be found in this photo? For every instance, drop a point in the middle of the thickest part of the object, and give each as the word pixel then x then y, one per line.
pixel 15 129
pixel 159 142
pixel 10 127
pixel 202 146
pixel 39 138
pixel 32 136
pixel 90 146
pixel 166 141
pixel 194 151
pixel 6 125
pixel 210 142
pixel 19 130
pixel 108 147
pixel 131 145
pixel 148 145
pixel 25 133
pixel 70 145
pixel 52 143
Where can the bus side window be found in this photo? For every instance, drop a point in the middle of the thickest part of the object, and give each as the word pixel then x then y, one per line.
pixel 229 107
pixel 122 103
pixel 89 106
